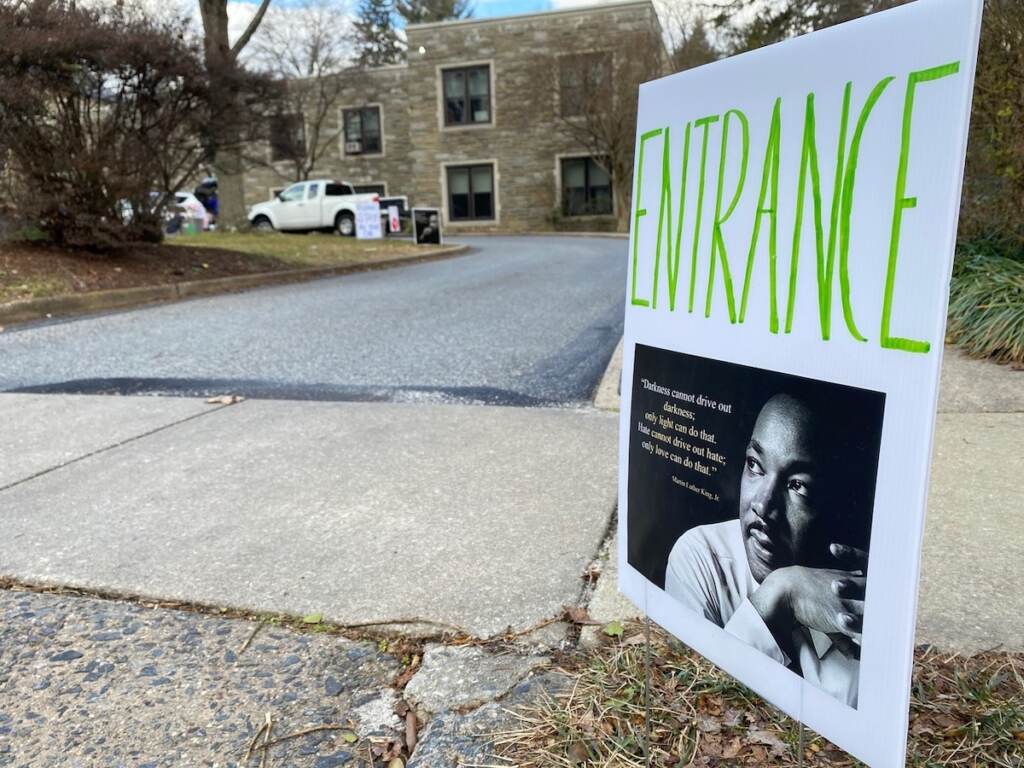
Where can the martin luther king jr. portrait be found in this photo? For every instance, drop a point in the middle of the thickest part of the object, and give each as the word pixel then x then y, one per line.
pixel 782 564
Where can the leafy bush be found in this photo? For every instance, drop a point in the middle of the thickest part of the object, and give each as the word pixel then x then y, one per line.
pixel 986 303
pixel 993 199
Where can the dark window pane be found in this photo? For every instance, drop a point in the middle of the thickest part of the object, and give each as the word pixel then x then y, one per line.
pixel 482 208
pixel 458 189
pixel 362 131
pixel 460 207
pixel 454 110
pixel 479 95
pixel 471 192
pixel 467 95
pixel 376 189
pixel 586 188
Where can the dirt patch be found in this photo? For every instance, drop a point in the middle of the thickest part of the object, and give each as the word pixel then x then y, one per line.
pixel 33 270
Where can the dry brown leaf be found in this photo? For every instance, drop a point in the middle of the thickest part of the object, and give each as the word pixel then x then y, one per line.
pixel 732 749
pixel 578 615
pixel 708 724
pixel 224 400
pixel 577 753
pixel 767 738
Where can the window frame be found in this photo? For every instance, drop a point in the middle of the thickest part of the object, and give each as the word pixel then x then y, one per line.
pixel 560 161
pixel 344 111
pixel 442 112
pixel 469 165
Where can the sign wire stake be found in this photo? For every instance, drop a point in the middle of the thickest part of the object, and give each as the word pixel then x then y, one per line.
pixel 647 690
pixel 800 746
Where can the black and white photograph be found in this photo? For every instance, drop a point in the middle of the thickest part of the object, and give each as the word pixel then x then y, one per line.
pixel 750 503
pixel 426 224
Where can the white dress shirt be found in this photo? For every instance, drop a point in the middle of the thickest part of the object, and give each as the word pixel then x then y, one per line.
pixel 708 573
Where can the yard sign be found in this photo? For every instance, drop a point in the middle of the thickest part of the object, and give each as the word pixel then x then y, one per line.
pixel 793 227
pixel 368 226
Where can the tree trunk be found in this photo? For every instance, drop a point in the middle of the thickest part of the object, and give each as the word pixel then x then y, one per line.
pixel 228 166
pixel 622 202
pixel 227 151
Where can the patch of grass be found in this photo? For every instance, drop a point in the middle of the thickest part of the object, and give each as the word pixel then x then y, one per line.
pixel 305 250
pixel 14 287
pixel 964 711
pixel 986 304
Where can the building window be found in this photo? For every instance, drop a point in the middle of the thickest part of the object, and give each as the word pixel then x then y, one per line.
pixel 370 189
pixel 287 137
pixel 362 131
pixel 471 192
pixel 584 83
pixel 586 188
pixel 467 95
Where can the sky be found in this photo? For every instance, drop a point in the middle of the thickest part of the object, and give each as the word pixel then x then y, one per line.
pixel 481 8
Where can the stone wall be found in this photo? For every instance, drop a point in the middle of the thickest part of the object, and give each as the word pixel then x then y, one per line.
pixel 524 140
pixel 383 86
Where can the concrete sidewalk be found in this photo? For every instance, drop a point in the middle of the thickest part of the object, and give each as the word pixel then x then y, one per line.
pixel 480 518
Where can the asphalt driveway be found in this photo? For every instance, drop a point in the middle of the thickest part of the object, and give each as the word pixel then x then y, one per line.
pixel 518 321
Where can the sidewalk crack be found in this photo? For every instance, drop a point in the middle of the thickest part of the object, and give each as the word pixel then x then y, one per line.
pixel 104 449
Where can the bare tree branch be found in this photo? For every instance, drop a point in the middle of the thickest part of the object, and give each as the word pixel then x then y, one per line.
pixel 254 23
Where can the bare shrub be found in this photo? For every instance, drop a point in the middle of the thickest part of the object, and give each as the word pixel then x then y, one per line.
pixel 99 109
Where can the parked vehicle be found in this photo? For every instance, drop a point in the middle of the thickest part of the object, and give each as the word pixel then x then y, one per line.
pixel 193 209
pixel 316 204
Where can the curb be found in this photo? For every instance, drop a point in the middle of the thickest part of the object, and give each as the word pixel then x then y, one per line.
pixel 608 391
pixel 607 235
pixel 126 298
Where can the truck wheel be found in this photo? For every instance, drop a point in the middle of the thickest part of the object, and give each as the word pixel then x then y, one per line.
pixel 262 224
pixel 345 224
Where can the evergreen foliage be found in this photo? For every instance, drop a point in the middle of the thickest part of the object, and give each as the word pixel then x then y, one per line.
pixel 377 43
pixel 422 11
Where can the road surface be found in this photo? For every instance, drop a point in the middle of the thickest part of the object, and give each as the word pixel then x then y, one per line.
pixel 518 321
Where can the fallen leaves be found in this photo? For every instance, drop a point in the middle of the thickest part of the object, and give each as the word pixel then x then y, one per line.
pixel 224 400
pixel 576 615
pixel 964 712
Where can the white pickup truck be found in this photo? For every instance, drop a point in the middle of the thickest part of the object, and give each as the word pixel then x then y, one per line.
pixel 316 204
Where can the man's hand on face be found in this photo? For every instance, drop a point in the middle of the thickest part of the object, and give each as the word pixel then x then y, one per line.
pixel 830 600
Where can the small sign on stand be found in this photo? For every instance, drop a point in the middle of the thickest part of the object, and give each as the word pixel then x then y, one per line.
pixel 394 221
pixel 368 220
pixel 793 228
pixel 426 223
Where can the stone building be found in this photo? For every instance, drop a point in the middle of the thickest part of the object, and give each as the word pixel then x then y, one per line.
pixel 481 120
